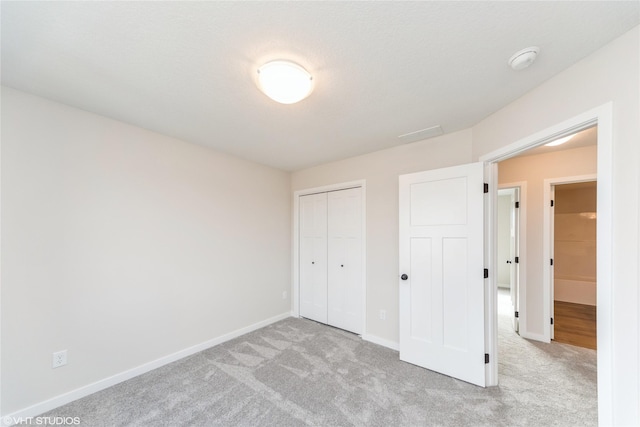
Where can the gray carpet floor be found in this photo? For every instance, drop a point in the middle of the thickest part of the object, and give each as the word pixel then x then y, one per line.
pixel 297 372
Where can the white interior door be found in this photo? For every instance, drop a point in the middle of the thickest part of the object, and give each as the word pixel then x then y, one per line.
pixel 345 259
pixel 515 276
pixel 504 213
pixel 551 253
pixel 313 257
pixel 441 267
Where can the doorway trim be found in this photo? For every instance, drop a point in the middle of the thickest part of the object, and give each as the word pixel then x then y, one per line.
pixel 548 289
pixel 295 274
pixel 601 116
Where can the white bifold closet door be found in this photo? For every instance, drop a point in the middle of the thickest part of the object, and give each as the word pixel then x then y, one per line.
pixel 331 258
pixel 313 257
pixel 344 286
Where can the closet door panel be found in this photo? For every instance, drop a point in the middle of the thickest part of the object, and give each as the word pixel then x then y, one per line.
pixel 313 257
pixel 345 294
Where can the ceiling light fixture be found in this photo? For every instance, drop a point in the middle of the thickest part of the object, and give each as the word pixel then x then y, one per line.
pixel 284 82
pixel 523 58
pixel 559 141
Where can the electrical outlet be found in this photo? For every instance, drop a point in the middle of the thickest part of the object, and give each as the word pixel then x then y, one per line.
pixel 383 314
pixel 59 359
pixel 284 295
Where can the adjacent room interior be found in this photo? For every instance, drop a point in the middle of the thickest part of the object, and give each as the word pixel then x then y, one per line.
pixel 574 262
pixel 521 209
pixel 571 213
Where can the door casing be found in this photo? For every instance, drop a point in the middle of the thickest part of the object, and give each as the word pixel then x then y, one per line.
pixel 601 116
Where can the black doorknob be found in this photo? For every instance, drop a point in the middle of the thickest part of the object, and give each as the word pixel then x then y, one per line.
pixel 404 277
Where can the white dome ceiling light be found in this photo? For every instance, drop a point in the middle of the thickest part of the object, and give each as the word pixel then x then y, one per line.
pixel 285 82
pixel 523 58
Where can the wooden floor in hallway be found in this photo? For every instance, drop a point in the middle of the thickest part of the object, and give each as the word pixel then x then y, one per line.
pixel 575 324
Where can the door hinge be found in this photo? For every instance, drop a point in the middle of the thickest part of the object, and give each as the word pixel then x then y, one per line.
pixel 517 205
pixel 516 314
pixel 552 320
pixel 517 259
pixel 486 358
pixel 486 187
pixel 551 261
pixel 552 203
pixel 486 273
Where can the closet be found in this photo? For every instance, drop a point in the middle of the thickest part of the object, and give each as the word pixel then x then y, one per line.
pixel 331 287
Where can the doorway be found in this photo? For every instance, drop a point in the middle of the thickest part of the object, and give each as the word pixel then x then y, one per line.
pixel 510 243
pixel 602 117
pixel 573 218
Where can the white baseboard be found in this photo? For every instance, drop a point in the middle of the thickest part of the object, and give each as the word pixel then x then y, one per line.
pixel 381 341
pixel 42 407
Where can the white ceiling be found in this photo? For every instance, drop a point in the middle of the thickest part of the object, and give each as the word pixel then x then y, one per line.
pixel 381 69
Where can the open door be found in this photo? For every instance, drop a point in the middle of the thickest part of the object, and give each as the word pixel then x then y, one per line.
pixel 552 275
pixel 442 271
pixel 515 261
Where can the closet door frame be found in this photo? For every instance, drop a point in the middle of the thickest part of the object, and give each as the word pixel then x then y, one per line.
pixel 295 286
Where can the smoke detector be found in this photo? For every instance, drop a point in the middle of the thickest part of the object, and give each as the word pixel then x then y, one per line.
pixel 523 58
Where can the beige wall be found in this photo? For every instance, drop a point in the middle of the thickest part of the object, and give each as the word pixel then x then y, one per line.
pixel 534 170
pixel 608 75
pixel 123 246
pixel 381 170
